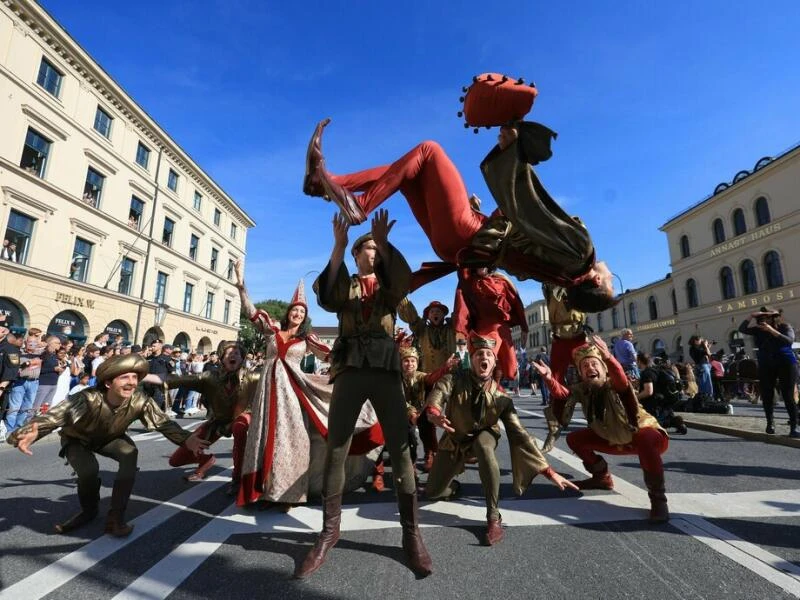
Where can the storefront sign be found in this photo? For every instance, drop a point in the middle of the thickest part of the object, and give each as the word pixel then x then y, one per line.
pixel 656 325
pixel 74 300
pixel 752 237
pixel 116 328
pixel 66 323
pixel 207 330
pixel 14 314
pixel 755 301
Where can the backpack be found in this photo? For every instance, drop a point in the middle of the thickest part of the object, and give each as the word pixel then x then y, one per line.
pixel 668 386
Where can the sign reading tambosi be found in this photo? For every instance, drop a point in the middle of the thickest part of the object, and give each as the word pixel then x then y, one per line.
pixel 74 300
pixel 746 239
pixel 755 301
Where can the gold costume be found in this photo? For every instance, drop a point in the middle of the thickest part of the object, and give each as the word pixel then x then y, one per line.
pixel 436 343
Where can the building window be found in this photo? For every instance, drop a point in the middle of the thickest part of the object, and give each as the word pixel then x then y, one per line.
pixel 35 152
pixel 719 231
pixel 726 283
pixel 194 242
pixel 659 348
pixel 209 304
pixel 748 272
pixel 633 316
pixel 102 122
pixel 142 155
pixel 49 77
pixel 599 321
pixel 126 276
pixel 172 180
pixel 226 312
pixel 685 247
pixel 198 201
pixel 161 287
pixel 169 227
pixel 17 240
pixel 81 254
pixel 762 211
pixel 93 188
pixel 135 213
pixel 188 292
pixel 674 299
pixel 217 216
pixel 652 308
pixel 234 231
pixel 739 226
pixel 229 270
pixel 615 318
pixel 691 294
pixel 772 269
pixel 214 259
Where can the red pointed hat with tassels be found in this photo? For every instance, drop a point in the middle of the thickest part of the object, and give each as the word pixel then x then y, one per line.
pixel 495 99
pixel 299 297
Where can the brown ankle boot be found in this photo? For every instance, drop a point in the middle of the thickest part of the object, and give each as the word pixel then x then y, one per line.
pixel 331 519
pixel 600 479
pixel 659 511
pixel 494 531
pixel 312 186
pixel 206 462
pixel 418 558
pixel 120 494
pixel 344 199
pixel 89 498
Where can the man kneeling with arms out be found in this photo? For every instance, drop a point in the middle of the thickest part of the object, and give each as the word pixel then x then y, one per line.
pixel 475 405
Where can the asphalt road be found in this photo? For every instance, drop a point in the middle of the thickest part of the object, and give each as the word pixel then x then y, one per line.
pixel 734 532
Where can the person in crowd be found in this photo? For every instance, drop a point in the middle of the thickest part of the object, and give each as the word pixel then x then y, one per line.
pixel 83 383
pixel 717 373
pixel 282 437
pixel 659 392
pixel 212 364
pixel 64 378
pixel 700 353
pixel 76 368
pixel 625 353
pixel 9 251
pixel 195 367
pixel 617 423
pixel 462 355
pixel 777 363
pixel 49 373
pixel 470 406
pixel 22 394
pixel 160 365
pixel 10 344
pixel 95 421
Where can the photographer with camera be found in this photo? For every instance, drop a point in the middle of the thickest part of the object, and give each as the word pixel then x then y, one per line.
pixel 700 351
pixel 776 362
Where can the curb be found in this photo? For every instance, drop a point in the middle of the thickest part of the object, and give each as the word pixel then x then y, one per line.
pixel 779 440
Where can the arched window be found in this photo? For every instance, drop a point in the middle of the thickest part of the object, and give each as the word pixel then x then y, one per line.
pixel 599 321
pixel 736 341
pixel 659 349
pixel 615 318
pixel 691 294
pixel 739 226
pixel 772 269
pixel 726 283
pixel 762 211
pixel 632 316
pixel 674 302
pixel 652 307
pixel 685 247
pixel 748 272
pixel 719 231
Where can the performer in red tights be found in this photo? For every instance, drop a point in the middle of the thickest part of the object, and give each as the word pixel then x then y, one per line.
pixel 617 423
pixel 530 236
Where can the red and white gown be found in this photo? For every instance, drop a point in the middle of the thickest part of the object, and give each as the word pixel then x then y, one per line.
pixel 285 450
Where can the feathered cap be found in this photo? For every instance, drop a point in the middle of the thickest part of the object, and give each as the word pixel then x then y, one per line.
pixel 299 297
pixel 477 342
pixel 494 99
pixel 120 365
pixel 586 351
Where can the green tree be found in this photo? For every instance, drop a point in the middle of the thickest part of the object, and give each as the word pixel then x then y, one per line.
pixel 249 336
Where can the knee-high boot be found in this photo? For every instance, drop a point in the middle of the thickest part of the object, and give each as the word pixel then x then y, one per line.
pixel 89 498
pixel 600 479
pixel 659 511
pixel 331 519
pixel 418 558
pixel 120 494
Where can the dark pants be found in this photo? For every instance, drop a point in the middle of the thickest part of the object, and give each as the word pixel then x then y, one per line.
pixel 85 465
pixel 784 375
pixel 351 389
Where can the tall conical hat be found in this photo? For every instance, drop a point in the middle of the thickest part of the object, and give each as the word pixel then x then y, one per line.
pixel 299 296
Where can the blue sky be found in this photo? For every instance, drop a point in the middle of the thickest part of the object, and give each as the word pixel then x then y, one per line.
pixel 654 104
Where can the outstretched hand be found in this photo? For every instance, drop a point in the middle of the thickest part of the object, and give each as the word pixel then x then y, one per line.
pixel 196 444
pixel 441 421
pixel 238 269
pixel 559 481
pixel 340 228
pixel 24 441
pixel 381 226
pixel 601 345
pixel 542 369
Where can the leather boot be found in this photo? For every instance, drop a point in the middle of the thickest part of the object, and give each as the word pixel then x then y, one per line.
pixel 312 186
pixel 89 498
pixel 418 558
pixel 659 511
pixel 344 199
pixel 427 464
pixel 120 494
pixel 600 479
pixel 206 462
pixel 331 519
pixel 494 531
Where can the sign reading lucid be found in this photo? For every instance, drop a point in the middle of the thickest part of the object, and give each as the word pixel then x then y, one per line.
pixel 74 300
pixel 753 237
pixel 755 301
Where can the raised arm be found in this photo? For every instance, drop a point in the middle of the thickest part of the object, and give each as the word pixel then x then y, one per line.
pixel 340 239
pixel 248 308
pixel 392 270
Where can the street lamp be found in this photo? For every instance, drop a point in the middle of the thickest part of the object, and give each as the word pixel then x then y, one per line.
pixel 622 295
pixel 161 314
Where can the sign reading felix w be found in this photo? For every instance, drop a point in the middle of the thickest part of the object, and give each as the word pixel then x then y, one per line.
pixel 74 300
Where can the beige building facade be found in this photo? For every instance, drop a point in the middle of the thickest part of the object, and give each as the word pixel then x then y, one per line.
pixel 730 254
pixel 108 224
